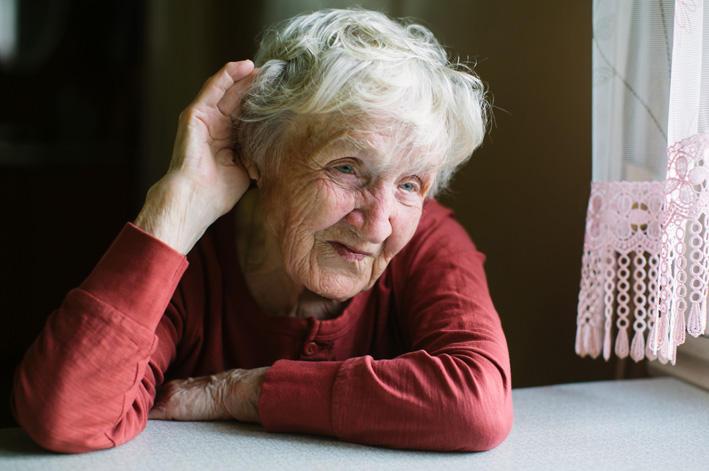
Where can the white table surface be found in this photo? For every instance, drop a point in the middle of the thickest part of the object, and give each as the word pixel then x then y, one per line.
pixel 647 424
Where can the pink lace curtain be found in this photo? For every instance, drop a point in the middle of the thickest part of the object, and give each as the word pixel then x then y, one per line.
pixel 645 272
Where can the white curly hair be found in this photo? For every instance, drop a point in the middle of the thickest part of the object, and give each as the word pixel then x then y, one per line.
pixel 362 70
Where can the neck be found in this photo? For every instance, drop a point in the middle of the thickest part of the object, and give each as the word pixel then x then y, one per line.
pixel 261 263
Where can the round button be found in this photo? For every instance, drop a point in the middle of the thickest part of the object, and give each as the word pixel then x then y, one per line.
pixel 310 348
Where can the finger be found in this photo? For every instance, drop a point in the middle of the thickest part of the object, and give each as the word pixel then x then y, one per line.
pixel 230 103
pixel 240 69
pixel 216 86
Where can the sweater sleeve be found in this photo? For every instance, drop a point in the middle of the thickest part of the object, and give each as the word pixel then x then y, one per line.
pixel 451 391
pixel 89 379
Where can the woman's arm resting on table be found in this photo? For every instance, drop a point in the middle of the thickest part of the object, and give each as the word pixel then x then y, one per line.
pixel 417 401
pixel 89 380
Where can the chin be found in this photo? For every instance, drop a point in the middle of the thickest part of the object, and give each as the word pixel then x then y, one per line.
pixel 338 287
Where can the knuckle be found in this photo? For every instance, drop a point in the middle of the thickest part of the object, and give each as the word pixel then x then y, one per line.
pixel 185 114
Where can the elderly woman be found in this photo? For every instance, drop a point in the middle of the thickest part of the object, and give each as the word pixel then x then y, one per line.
pixel 292 268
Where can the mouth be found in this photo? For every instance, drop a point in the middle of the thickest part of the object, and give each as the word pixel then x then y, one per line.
pixel 347 252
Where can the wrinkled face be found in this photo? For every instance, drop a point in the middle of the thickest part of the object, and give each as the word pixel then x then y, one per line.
pixel 342 207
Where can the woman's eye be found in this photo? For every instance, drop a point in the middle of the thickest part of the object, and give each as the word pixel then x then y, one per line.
pixel 408 186
pixel 349 169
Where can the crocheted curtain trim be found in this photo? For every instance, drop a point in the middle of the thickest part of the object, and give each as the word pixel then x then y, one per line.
pixel 684 257
pixel 619 268
pixel 646 260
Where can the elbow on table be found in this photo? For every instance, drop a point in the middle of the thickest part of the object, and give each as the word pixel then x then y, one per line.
pixel 482 425
pixel 63 442
pixel 65 430
pixel 69 420
pixel 55 434
pixel 486 433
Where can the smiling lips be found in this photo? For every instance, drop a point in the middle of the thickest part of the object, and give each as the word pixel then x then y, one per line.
pixel 348 252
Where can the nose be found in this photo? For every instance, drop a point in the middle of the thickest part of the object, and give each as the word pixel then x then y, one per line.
pixel 372 219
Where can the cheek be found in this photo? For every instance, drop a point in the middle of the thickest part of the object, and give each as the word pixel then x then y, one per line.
pixel 330 206
pixel 317 207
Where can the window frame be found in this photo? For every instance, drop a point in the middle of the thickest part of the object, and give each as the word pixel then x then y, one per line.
pixel 692 363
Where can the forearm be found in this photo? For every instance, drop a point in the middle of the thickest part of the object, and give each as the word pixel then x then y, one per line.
pixel 443 403
pixel 416 401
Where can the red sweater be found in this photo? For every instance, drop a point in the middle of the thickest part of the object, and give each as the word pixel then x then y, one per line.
pixel 419 361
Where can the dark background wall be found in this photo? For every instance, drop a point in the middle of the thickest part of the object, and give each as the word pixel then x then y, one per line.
pixel 87 125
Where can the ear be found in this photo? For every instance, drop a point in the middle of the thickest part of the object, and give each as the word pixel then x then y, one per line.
pixel 251 168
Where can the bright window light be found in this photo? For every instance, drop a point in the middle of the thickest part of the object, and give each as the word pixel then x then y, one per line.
pixel 8 30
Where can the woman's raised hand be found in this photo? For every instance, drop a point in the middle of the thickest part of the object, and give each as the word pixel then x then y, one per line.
pixel 205 178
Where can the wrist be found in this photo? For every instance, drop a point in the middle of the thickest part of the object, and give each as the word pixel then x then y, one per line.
pixel 171 215
pixel 240 393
